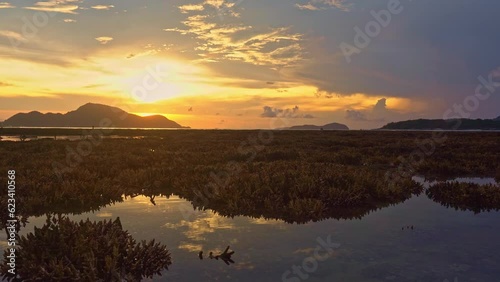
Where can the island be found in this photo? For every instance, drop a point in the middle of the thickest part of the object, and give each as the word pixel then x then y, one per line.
pixel 330 126
pixel 90 115
pixel 449 124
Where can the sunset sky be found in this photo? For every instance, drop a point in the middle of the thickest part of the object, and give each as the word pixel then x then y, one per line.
pixel 250 63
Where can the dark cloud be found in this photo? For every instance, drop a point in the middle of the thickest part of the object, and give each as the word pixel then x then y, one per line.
pixel 380 106
pixel 355 115
pixel 270 112
pixel 378 113
pixel 428 51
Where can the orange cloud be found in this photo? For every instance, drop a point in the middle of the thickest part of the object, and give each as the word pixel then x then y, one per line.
pixel 57 6
pixel 104 39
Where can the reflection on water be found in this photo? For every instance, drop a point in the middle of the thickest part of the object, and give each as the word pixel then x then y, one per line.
pixel 444 244
pixel 466 194
pixel 86 251
pixel 62 137
pixel 476 180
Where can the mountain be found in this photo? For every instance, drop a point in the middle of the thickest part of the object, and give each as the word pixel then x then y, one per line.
pixel 90 115
pixel 450 124
pixel 330 126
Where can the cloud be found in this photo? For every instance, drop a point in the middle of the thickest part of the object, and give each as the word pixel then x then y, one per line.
pixel 222 7
pixel 316 5
pixel 102 7
pixel 36 51
pixel 444 66
pixel 355 115
pixel 57 6
pixel 378 113
pixel 69 21
pixel 94 85
pixel 104 39
pixel 5 84
pixel 6 5
pixel 204 224
pixel 380 106
pixel 307 6
pixel 270 112
pixel 191 7
pixel 277 47
pixel 12 35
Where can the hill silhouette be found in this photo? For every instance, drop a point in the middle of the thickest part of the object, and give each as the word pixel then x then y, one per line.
pixel 450 124
pixel 90 115
pixel 330 126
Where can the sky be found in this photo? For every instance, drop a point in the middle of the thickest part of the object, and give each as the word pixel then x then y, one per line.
pixel 253 64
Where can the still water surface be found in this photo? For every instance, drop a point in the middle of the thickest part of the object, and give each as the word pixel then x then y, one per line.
pixel 444 244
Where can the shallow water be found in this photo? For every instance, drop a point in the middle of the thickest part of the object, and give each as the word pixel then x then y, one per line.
pixel 64 137
pixel 477 180
pixel 444 244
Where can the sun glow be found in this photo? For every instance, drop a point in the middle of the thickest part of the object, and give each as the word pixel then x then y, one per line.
pixel 148 79
pixel 189 93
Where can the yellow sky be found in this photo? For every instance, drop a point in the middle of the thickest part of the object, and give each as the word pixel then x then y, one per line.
pixel 203 66
pixel 150 83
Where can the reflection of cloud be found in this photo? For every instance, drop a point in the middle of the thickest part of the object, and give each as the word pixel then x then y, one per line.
pixel 304 251
pixel 263 221
pixel 104 214
pixel 244 265
pixel 4 244
pixel 204 224
pixel 190 247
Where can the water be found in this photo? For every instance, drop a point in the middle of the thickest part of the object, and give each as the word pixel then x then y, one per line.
pixel 444 244
pixel 64 137
pixel 478 180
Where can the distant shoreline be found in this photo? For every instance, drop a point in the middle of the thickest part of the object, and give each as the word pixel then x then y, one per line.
pixel 13 133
